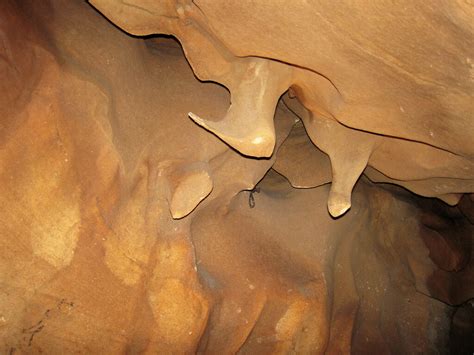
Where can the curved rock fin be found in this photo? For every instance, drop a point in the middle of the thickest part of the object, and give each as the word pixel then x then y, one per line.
pixel 139 20
pixel 255 85
pixel 451 199
pixel 189 184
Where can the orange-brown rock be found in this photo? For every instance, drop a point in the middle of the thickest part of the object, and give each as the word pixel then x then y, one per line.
pixel 390 78
pixel 127 228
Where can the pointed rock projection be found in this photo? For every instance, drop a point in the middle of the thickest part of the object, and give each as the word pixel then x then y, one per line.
pixel 348 159
pixel 255 85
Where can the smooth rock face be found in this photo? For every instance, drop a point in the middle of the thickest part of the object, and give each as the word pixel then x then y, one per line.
pixel 126 227
pixel 392 80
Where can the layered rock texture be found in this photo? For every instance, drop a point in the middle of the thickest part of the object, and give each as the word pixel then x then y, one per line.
pixel 236 177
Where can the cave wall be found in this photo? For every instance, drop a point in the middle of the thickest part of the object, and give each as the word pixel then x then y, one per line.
pixel 127 227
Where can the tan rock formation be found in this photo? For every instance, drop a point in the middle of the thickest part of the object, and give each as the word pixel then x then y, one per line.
pixel 127 228
pixel 428 102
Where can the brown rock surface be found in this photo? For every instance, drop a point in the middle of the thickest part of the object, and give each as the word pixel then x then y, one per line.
pixel 390 78
pixel 127 228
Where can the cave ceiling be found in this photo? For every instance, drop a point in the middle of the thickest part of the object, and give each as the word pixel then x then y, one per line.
pixel 236 176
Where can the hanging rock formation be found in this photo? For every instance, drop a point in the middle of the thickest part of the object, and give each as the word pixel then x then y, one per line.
pixel 128 228
pixel 431 108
